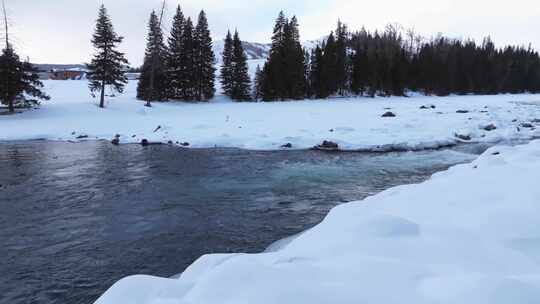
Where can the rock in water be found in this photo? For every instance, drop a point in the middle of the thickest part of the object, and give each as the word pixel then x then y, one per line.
pixel 287 146
pixel 463 137
pixel 490 127
pixel 462 111
pixel 328 145
pixel 144 142
pixel 116 140
pixel 389 114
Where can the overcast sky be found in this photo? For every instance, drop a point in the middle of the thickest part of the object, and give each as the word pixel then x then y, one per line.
pixel 58 31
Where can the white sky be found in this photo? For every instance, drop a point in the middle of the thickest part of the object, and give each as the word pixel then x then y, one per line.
pixel 59 31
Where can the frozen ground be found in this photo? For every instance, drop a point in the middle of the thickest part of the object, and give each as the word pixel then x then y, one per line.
pixel 354 123
pixel 468 235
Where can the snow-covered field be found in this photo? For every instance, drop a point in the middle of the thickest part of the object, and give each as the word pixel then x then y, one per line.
pixel 468 235
pixel 354 123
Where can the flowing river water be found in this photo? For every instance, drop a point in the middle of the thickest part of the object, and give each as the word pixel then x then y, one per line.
pixel 77 217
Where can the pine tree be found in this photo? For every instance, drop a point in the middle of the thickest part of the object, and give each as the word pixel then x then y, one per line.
pixel 153 84
pixel 294 57
pixel 174 55
pixel 279 32
pixel 258 84
pixel 227 66
pixel 274 84
pixel 240 77
pixel 284 72
pixel 186 80
pixel 108 65
pixel 341 58
pixel 316 74
pixel 203 60
pixel 18 81
pixel 358 70
pixel 329 66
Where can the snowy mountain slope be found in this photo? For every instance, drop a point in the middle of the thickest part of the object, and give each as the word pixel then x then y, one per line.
pixel 253 50
pixel 467 235
pixel 257 51
pixel 311 44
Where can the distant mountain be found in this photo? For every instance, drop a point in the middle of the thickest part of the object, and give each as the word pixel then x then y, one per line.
pixel 256 51
pixel 253 50
pixel 311 44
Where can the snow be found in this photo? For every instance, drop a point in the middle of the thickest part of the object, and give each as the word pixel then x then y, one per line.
pixel 467 235
pixel 253 50
pixel 353 123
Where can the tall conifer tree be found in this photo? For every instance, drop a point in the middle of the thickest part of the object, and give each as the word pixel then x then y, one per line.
pixel 341 59
pixel 258 84
pixel 227 66
pixel 240 77
pixel 284 72
pixel 186 74
pixel 204 58
pixel 273 84
pixel 174 55
pixel 153 83
pixel 108 65
pixel 294 58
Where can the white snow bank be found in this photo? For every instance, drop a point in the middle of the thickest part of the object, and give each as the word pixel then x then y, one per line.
pixel 468 235
pixel 353 123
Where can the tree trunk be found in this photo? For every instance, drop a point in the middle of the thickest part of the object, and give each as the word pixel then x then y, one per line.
pixel 152 81
pixel 11 106
pixel 102 99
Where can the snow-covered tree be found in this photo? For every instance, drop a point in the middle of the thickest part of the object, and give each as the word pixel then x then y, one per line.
pixel 108 64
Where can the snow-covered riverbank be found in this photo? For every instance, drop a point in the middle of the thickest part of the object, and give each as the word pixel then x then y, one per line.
pixel 354 123
pixel 468 235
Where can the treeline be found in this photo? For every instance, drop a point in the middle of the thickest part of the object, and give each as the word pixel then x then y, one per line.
pixel 184 67
pixel 385 64
pixel 346 63
pixel 361 63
